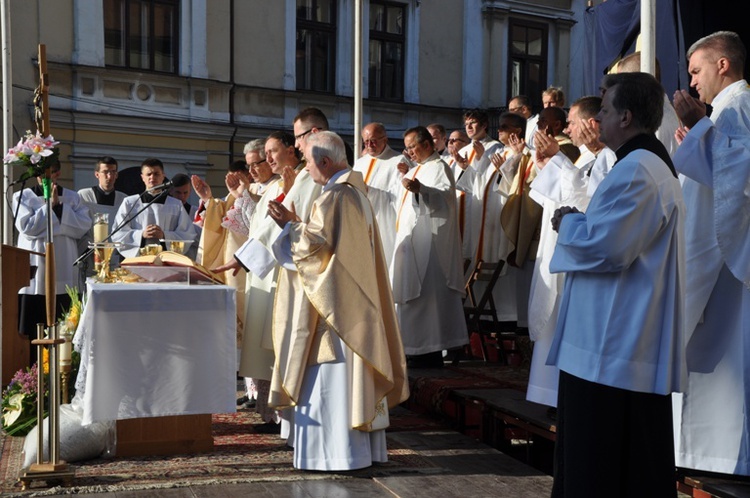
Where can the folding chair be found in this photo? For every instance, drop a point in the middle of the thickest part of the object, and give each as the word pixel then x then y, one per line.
pixel 478 306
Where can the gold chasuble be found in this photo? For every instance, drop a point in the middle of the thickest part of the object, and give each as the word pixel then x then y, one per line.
pixel 341 286
pixel 217 245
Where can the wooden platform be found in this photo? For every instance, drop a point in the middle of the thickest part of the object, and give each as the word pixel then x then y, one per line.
pixel 164 435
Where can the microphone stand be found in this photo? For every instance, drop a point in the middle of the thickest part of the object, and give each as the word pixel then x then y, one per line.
pixel 124 223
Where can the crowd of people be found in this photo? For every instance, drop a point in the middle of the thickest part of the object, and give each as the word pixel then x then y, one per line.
pixel 622 225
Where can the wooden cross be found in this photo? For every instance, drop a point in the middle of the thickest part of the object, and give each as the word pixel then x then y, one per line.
pixel 41 95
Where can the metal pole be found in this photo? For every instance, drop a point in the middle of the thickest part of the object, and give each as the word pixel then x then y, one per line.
pixel 648 36
pixel 7 227
pixel 357 78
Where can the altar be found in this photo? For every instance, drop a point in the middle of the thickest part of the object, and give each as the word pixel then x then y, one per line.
pixel 159 359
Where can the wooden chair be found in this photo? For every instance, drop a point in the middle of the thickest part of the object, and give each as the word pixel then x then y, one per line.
pixel 480 310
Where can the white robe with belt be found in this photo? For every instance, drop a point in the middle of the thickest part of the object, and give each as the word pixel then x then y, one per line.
pixel 713 431
pixel 383 186
pixel 484 237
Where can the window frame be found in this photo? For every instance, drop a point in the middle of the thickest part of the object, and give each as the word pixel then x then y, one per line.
pixel 125 25
pixel 385 37
pixel 534 95
pixel 331 29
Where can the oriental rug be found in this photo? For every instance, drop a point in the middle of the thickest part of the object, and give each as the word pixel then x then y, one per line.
pixel 239 455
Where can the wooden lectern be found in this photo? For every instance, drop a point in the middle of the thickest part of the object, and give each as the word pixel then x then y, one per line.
pixel 16 273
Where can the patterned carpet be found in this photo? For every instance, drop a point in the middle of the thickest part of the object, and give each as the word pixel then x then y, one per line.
pixel 239 455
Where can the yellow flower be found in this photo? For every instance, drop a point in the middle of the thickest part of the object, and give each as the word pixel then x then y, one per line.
pixel 45 360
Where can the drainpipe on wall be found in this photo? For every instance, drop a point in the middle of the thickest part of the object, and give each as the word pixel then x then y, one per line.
pixel 231 80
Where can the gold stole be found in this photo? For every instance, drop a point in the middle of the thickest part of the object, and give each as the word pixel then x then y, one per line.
pixel 403 199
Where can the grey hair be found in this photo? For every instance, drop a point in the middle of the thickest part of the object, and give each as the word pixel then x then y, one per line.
pixel 327 144
pixel 258 145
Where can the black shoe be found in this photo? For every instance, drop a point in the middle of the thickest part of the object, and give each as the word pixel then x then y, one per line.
pixel 241 401
pixel 267 428
pixel 428 360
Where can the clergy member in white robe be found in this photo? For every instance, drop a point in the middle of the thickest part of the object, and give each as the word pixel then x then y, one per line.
pixel 339 359
pixel 551 192
pixel 484 239
pixel 619 336
pixel 70 221
pixel 104 199
pixel 426 272
pixel 378 165
pixel 165 218
pixel 713 431
pixel 297 190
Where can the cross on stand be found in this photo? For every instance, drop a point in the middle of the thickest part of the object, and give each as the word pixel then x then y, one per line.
pixel 53 470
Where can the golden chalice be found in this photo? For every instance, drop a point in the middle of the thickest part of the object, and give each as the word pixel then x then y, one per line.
pixel 104 251
pixel 175 245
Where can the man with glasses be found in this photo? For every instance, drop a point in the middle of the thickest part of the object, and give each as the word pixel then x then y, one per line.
pixel 101 198
pixel 426 273
pixel 378 165
pixel 437 131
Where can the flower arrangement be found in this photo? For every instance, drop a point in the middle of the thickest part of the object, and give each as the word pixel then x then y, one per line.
pixel 35 152
pixel 19 402
pixel 20 397
pixel 68 330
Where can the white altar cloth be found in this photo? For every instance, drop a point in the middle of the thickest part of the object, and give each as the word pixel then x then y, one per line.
pixel 153 350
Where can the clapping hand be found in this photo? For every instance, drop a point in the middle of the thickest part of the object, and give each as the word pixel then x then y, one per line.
pixel 202 189
pixel 516 143
pixel 546 147
pixel 280 214
pixel 288 175
pixel 689 109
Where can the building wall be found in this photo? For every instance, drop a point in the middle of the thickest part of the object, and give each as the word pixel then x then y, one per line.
pixel 236 78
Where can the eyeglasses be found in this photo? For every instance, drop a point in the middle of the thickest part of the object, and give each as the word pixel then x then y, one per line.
pixel 452 140
pixel 255 164
pixel 516 109
pixel 302 135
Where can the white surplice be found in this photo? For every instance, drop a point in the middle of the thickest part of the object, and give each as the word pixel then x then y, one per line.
pixel 560 183
pixel 171 217
pixel 713 431
pixel 426 272
pixel 31 223
pixel 88 197
pixel 383 186
pixel 621 313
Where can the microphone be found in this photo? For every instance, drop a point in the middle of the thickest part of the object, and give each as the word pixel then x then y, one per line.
pixel 28 175
pixel 164 185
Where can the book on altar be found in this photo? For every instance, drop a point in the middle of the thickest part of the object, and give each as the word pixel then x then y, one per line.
pixel 172 267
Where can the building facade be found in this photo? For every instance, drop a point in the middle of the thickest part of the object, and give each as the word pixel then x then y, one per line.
pixel 191 81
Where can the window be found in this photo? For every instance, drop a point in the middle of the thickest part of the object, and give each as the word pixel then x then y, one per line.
pixel 528 60
pixel 386 50
pixel 316 45
pixel 142 34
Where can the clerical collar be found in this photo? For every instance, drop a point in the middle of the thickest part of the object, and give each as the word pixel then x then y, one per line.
pixel 102 197
pixel 159 198
pixel 649 142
